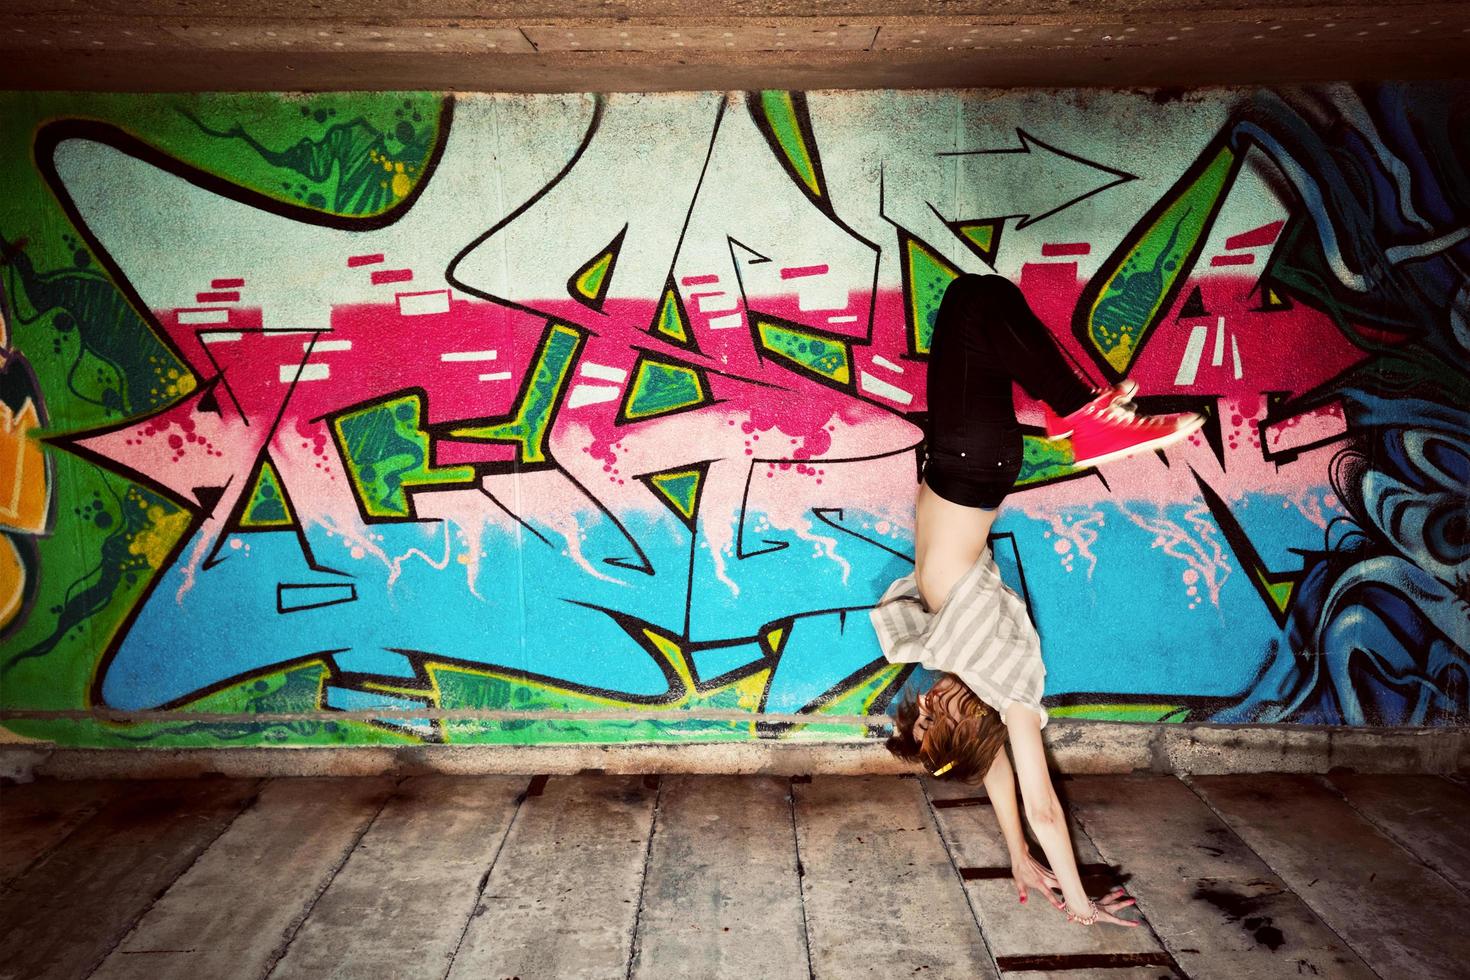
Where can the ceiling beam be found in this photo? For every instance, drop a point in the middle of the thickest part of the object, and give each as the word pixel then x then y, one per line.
pixel 181 45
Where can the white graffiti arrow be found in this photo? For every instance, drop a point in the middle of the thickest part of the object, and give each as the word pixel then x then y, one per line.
pixel 1032 181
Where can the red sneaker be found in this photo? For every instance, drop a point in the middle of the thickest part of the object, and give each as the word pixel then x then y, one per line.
pixel 1103 432
pixel 1059 428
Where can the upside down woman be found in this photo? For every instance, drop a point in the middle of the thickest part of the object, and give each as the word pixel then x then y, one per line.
pixel 953 613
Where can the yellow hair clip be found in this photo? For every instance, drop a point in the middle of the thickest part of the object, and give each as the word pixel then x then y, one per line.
pixel 944 769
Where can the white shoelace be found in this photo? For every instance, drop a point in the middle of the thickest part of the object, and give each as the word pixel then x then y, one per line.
pixel 1117 414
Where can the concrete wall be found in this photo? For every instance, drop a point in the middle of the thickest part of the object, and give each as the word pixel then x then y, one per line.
pixel 391 418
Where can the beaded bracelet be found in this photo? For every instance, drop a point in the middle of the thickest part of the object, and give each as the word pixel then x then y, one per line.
pixel 1089 919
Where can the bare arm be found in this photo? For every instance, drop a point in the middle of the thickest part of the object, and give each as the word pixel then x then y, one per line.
pixel 1043 809
pixel 1026 871
pixel 1000 786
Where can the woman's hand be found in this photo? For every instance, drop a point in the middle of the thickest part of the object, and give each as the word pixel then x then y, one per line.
pixel 1029 873
pixel 1107 908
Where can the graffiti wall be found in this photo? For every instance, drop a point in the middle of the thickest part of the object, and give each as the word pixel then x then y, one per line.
pixel 399 418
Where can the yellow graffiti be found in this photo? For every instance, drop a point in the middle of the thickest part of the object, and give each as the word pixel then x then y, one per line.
pixel 400 177
pixel 170 382
pixel 23 468
pixel 12 581
pixel 155 540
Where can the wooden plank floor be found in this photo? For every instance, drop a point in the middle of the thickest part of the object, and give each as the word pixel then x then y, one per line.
pixel 722 897
pixel 1398 914
pixel 686 876
pixel 1218 907
pixel 1032 938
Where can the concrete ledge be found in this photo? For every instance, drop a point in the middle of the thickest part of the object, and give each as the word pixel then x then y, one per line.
pixel 1217 749
pixel 1077 747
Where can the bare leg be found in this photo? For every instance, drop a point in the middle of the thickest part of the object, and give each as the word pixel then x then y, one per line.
pixel 948 537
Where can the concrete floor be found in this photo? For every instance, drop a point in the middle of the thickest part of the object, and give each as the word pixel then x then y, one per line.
pixel 706 876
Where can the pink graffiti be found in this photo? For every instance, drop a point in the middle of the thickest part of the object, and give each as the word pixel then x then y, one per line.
pixel 1073 536
pixel 775 436
pixel 1202 554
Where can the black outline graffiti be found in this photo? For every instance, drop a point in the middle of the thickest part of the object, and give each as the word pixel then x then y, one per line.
pixel 612 249
pixel 742 517
pixel 1256 570
pixel 1281 406
pixel 645 356
pixel 599 104
pixel 283 587
pixel 1027 140
pixel 48 137
pixel 1081 313
pixel 956 227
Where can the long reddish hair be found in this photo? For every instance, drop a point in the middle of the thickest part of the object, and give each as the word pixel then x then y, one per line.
pixel 967 747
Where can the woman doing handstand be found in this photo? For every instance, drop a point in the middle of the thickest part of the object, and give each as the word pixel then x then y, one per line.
pixel 953 614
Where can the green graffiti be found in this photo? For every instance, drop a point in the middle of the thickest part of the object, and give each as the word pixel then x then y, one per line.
pixel 980 237
pixel 356 162
pixel 94 357
pixel 859 695
pixel 291 690
pixel 488 688
pixel 679 489
pixel 1123 712
pixel 671 321
pixel 529 425
pixel 660 387
pixel 1133 290
pixel 385 451
pixel 267 506
pixel 590 283
pixel 1045 460
pixel 825 356
pixel 119 537
pixel 780 112
pixel 926 276
pixel 99 362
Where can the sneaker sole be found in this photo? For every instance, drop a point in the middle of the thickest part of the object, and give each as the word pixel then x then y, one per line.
pixel 1142 447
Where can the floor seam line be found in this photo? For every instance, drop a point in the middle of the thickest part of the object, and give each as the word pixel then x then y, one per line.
pixel 279 953
pixel 806 929
pixel 36 861
pixel 245 804
pixel 1390 836
pixel 1147 923
pixel 955 867
pixel 658 795
pixel 1279 877
pixel 485 882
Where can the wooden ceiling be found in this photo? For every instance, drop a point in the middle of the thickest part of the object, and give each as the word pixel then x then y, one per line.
pixel 652 45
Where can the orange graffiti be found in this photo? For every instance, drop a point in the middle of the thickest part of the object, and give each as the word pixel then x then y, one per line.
pixel 23 470
pixel 24 495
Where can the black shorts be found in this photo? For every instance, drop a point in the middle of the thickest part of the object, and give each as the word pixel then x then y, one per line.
pixel 977 476
pixel 973 441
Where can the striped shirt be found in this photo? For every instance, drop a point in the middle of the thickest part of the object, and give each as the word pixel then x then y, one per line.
pixel 982 634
